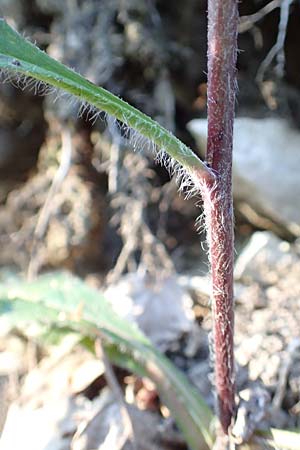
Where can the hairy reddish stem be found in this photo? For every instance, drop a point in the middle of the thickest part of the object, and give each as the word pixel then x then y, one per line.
pixel 222 49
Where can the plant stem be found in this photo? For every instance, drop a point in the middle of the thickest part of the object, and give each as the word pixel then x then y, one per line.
pixel 218 207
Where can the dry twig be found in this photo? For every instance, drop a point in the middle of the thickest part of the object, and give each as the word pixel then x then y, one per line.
pixel 117 391
pixel 47 208
pixel 278 49
pixel 247 22
pixel 292 350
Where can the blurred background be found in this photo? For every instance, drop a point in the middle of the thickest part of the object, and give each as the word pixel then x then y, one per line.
pixel 74 196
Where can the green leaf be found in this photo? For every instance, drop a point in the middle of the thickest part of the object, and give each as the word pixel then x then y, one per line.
pixel 18 55
pixel 62 300
pixel 282 439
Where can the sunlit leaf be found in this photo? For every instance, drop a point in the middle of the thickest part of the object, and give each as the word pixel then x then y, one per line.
pixel 62 300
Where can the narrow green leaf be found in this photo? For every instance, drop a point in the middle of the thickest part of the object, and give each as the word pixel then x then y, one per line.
pixel 62 300
pixel 18 55
pixel 282 439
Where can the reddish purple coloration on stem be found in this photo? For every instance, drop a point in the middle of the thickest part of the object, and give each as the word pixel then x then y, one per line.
pixel 222 49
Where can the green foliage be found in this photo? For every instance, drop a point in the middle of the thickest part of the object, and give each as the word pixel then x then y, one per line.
pixel 62 301
pixel 17 55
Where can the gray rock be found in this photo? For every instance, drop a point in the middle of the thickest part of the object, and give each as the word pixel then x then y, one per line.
pixel 266 164
pixel 264 259
pixel 161 308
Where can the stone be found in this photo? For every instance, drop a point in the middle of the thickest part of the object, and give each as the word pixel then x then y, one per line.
pixel 161 308
pixel 266 162
pixel 264 259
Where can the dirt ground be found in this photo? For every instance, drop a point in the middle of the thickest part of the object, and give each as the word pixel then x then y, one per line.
pixel 152 54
